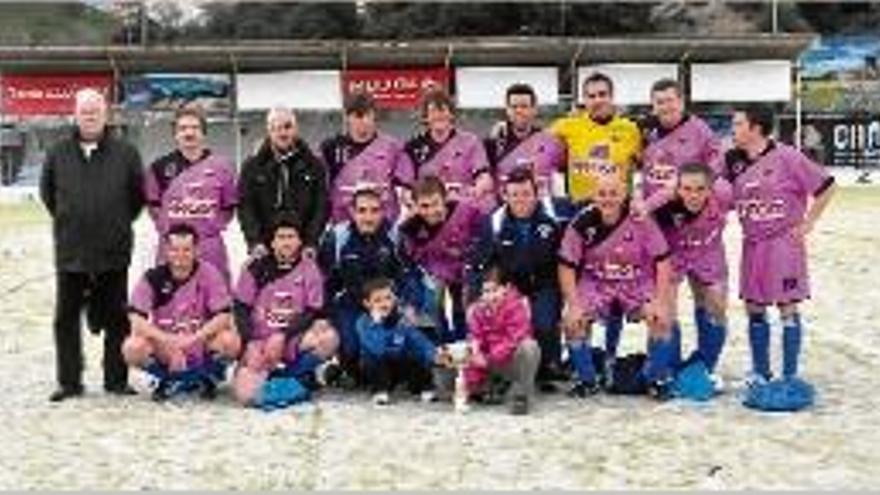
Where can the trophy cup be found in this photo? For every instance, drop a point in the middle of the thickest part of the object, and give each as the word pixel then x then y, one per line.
pixel 460 353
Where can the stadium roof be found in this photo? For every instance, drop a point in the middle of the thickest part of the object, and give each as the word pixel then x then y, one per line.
pixel 330 54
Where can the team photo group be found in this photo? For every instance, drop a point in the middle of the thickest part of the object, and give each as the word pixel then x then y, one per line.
pixel 477 267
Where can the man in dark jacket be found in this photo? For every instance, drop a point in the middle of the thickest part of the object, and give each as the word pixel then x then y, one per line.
pixel 521 238
pixel 91 184
pixel 283 176
pixel 354 252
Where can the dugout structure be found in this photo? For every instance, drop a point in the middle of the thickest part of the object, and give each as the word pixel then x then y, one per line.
pixel 234 130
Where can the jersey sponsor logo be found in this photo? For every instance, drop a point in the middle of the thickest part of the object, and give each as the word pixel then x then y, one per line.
pixel 594 167
pixel 182 325
pixel 760 210
pixel 281 310
pixel 364 183
pixel 662 174
pixel 617 271
pixel 193 204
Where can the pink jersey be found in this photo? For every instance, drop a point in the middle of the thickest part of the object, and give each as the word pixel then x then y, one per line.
pixel 457 162
pixel 181 306
pixel 380 162
pixel 540 151
pixel 614 262
pixel 771 192
pixel 278 293
pixel 441 250
pixel 696 238
pixel 771 195
pixel 201 194
pixel 667 150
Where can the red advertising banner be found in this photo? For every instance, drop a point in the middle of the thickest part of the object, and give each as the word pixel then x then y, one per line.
pixel 394 88
pixel 47 94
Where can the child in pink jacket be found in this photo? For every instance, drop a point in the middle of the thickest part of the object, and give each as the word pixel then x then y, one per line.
pixel 501 341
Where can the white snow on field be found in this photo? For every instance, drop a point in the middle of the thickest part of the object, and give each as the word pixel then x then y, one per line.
pixel 342 441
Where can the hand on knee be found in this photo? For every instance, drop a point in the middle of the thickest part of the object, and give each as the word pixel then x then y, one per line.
pixel 227 344
pixel 136 351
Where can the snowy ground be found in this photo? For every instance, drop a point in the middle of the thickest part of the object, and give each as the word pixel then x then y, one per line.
pixel 342 441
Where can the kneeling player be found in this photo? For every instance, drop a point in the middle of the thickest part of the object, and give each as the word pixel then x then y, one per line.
pixel 693 223
pixel 612 262
pixel 277 302
pixel 181 326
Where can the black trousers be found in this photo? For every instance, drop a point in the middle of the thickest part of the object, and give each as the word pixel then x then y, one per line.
pixel 104 297
pixel 386 374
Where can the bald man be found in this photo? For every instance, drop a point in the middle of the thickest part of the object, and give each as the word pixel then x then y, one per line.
pixel 611 264
pixel 91 183
pixel 283 176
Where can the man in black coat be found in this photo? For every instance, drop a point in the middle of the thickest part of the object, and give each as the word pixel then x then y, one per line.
pixel 91 183
pixel 284 176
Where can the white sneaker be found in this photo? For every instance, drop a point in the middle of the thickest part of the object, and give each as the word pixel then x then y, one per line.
pixel 428 396
pixel 143 382
pixel 718 384
pixel 381 399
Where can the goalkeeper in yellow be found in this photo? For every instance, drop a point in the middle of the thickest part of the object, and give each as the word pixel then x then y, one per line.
pixel 598 140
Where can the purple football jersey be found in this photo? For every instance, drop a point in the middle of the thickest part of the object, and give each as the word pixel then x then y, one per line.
pixel 540 151
pixel 457 162
pixel 771 194
pixel 666 150
pixel 615 262
pixel 278 293
pixel 696 238
pixel 181 306
pixel 380 163
pixel 441 250
pixel 201 194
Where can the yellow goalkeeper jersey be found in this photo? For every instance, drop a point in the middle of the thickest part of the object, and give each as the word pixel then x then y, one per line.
pixel 595 149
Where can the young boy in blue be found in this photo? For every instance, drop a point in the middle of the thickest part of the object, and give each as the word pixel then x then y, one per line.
pixel 392 350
